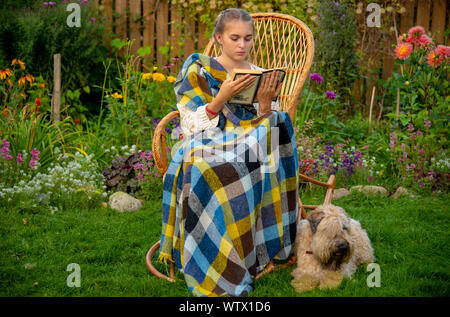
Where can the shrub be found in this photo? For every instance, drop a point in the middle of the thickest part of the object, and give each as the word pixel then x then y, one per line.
pixel 37 32
pixel 335 40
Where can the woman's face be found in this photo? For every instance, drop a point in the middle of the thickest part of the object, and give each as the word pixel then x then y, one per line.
pixel 236 40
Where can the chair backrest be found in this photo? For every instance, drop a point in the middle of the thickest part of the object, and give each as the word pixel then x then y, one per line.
pixel 280 40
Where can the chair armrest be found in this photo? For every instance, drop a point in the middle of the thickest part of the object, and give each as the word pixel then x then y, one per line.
pixel 159 142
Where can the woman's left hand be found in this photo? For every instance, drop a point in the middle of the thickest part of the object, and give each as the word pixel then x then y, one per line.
pixel 268 89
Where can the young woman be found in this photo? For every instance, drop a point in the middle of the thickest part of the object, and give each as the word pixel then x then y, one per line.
pixel 230 199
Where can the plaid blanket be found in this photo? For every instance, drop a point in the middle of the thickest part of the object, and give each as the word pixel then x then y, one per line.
pixel 230 199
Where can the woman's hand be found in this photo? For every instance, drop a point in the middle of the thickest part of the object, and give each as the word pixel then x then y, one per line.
pixel 229 89
pixel 269 88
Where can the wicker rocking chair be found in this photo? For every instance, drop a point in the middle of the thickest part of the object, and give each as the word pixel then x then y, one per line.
pixel 280 41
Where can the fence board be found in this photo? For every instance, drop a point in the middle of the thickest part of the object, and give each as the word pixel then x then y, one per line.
pixel 162 30
pixel 135 24
pixel 189 35
pixel 407 18
pixel 121 22
pixel 148 32
pixel 203 38
pixel 439 15
pixel 423 14
pixel 176 27
pixel 108 15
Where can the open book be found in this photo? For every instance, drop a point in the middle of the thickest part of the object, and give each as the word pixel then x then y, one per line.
pixel 249 95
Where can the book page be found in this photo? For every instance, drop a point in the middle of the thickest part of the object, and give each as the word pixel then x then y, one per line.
pixel 246 96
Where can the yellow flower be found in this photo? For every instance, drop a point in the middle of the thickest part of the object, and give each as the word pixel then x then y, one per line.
pixel 116 95
pixel 158 77
pixel 146 76
pixel 171 79
pixel 17 61
pixel 29 78
pixel 22 81
pixel 155 68
pixel 4 73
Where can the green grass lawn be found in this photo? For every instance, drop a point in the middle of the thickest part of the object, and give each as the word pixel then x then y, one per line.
pixel 410 238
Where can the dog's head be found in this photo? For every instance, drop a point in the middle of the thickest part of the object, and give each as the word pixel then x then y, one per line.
pixel 331 241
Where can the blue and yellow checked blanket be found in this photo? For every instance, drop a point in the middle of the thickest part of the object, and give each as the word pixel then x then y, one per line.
pixel 230 199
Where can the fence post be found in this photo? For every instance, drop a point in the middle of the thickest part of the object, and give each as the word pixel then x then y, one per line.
pixel 56 104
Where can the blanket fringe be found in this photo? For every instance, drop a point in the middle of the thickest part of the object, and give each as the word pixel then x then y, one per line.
pixel 165 258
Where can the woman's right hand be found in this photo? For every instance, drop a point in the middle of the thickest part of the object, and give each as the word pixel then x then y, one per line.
pixel 231 88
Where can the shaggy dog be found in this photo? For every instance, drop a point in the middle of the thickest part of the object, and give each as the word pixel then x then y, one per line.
pixel 329 245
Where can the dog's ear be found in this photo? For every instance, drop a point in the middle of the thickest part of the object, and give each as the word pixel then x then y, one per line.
pixel 314 219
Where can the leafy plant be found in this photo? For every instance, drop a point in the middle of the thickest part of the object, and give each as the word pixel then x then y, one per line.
pixel 335 40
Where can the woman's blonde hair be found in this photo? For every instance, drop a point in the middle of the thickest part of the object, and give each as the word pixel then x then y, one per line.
pixel 227 15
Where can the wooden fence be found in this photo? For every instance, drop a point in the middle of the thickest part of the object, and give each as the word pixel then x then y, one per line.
pixel 158 23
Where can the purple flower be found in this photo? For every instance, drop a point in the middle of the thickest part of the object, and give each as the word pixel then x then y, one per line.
pixel 316 77
pixel 35 154
pixel 32 163
pixel 4 151
pixel 19 158
pixel 45 3
pixel 410 127
pixel 419 132
pixel 331 94
pixel 427 124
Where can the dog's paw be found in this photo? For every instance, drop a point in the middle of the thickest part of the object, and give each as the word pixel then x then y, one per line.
pixel 304 283
pixel 331 279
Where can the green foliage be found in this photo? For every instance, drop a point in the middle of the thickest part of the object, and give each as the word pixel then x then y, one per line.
pixel 335 38
pixel 409 237
pixel 34 34
pixel 130 111
pixel 423 94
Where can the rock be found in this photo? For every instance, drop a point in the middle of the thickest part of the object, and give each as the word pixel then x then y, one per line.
pixel 341 192
pixel 401 192
pixel 371 190
pixel 124 202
